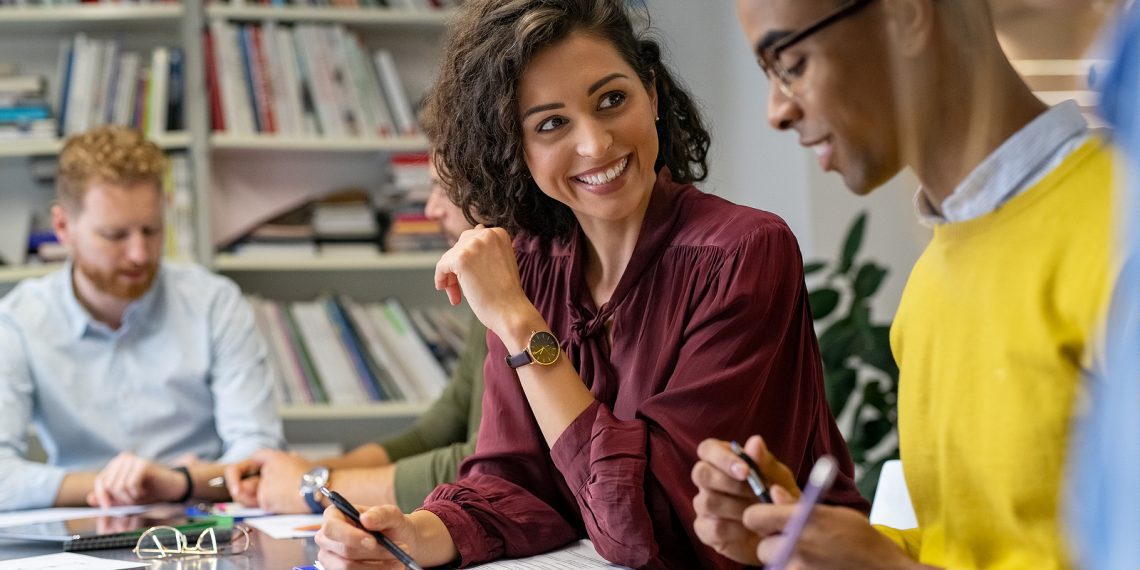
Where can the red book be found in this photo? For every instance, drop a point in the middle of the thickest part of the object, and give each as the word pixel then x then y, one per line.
pixel 217 117
pixel 262 86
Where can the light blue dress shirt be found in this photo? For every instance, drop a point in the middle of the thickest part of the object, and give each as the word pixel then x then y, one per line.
pixel 185 373
pixel 1017 165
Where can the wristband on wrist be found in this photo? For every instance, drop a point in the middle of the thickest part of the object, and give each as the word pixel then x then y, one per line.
pixel 189 484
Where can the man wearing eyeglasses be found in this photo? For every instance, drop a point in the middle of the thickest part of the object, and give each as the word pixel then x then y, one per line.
pixel 992 335
pixel 126 365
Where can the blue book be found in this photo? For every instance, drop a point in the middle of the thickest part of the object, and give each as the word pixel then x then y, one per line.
pixel 24 114
pixel 65 86
pixel 248 61
pixel 355 349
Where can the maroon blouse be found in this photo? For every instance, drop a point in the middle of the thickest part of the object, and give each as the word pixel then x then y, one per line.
pixel 712 337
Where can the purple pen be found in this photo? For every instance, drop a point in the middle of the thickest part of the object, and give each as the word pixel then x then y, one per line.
pixel 819 481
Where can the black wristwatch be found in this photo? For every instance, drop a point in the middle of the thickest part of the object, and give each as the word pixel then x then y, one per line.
pixel 541 348
pixel 316 478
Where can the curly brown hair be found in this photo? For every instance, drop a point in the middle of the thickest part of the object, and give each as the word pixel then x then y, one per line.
pixel 111 154
pixel 472 112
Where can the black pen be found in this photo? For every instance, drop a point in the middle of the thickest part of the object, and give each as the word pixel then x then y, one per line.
pixel 754 480
pixel 350 511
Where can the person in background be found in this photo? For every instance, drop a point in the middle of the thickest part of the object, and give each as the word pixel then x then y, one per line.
pixel 401 470
pixel 141 377
pixel 995 330
pixel 630 315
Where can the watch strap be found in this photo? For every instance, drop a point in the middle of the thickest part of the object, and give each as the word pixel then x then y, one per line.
pixel 310 496
pixel 521 359
pixel 189 484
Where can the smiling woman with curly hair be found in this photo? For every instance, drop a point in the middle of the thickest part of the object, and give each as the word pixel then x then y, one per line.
pixel 631 315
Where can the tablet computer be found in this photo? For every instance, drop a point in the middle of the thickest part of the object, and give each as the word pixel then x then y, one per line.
pixel 93 533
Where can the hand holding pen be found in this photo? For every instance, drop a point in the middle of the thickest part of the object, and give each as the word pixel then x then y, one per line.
pixel 731 478
pixel 353 515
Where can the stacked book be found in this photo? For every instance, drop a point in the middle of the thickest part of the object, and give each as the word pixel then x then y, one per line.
pixel 302 80
pixel 101 83
pixel 339 223
pixel 338 351
pixel 345 222
pixel 25 113
pixel 406 198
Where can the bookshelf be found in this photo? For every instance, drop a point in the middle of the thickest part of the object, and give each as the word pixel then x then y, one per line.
pixel 357 17
pixel 31 35
pixel 230 142
pixel 56 19
pixel 169 141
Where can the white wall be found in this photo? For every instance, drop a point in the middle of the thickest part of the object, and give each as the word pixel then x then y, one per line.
pixel 750 163
pixel 753 164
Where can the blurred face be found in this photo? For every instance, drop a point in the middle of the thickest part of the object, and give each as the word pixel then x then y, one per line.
pixel 442 210
pixel 589 132
pixel 116 238
pixel 836 93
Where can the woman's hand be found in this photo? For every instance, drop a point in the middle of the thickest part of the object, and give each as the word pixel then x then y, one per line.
pixel 482 267
pixel 344 545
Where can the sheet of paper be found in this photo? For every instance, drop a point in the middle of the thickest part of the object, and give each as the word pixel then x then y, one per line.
pixel 235 510
pixel 14 518
pixel 287 526
pixel 67 561
pixel 580 555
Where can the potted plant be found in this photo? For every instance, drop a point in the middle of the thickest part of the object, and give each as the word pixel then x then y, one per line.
pixel 861 376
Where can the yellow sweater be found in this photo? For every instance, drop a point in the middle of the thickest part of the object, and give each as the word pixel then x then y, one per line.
pixel 991 339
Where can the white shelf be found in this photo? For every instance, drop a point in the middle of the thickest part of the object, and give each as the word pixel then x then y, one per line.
pixel 378 262
pixel 12 274
pixel 357 17
pixel 224 142
pixel 366 411
pixel 87 16
pixel 169 141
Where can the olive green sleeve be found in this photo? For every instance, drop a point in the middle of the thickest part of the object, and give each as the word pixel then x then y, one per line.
pixel 430 451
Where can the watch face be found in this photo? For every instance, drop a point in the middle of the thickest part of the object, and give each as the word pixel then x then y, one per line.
pixel 315 478
pixel 543 348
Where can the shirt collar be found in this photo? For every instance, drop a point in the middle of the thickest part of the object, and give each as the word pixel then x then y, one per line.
pixel 80 320
pixel 1017 164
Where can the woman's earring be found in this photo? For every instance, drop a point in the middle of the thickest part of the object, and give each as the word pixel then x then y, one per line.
pixel 657 119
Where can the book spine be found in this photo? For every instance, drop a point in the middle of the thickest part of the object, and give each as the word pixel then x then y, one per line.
pixel 156 92
pixel 316 390
pixel 217 115
pixel 175 92
pixel 245 41
pixel 262 83
pixel 355 350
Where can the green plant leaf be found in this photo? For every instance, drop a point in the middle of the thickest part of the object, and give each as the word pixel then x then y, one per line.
pixel 852 243
pixel 823 301
pixel 877 352
pixel 836 342
pixel 869 482
pixel 868 280
pixel 814 267
pixel 861 315
pixel 839 384
pixel 873 396
pixel 875 430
